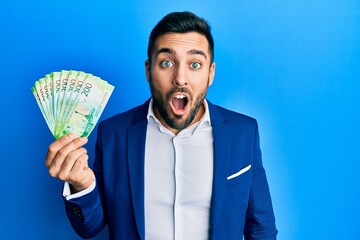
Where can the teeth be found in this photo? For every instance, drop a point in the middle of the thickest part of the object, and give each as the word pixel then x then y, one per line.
pixel 180 96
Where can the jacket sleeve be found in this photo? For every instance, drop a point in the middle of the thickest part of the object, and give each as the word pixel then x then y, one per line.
pixel 260 219
pixel 85 214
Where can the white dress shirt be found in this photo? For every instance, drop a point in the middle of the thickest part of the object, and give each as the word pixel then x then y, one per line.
pixel 178 180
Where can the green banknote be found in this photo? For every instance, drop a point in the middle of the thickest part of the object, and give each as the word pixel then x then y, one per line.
pixel 71 101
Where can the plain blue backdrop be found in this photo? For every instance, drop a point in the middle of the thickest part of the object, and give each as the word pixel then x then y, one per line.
pixel 293 65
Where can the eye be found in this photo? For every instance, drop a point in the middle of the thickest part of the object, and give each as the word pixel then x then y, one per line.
pixel 195 65
pixel 166 64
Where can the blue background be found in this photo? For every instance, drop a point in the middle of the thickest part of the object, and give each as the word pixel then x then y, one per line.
pixel 293 65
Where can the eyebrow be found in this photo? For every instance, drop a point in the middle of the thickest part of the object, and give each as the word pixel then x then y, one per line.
pixel 191 52
pixel 197 52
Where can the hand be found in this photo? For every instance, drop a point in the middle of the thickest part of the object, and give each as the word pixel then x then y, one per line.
pixel 67 160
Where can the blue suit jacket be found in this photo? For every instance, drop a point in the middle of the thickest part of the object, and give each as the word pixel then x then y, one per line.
pixel 239 206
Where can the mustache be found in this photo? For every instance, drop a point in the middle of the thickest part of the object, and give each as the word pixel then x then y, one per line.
pixel 178 90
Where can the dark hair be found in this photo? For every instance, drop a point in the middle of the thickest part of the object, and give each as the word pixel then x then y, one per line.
pixel 181 22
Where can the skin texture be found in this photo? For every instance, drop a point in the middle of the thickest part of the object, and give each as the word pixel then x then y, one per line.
pixel 67 160
pixel 180 66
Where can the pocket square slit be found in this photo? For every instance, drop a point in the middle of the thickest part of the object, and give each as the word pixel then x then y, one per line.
pixel 239 172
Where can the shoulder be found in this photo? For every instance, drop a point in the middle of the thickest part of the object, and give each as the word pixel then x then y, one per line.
pixel 219 113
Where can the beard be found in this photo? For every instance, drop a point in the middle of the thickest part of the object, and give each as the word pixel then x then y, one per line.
pixel 162 105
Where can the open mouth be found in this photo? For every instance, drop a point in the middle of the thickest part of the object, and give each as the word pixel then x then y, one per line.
pixel 179 104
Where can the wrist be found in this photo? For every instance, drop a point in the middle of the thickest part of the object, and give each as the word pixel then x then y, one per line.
pixel 78 187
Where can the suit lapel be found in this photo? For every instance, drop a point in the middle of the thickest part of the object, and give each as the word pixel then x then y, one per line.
pixel 221 156
pixel 136 155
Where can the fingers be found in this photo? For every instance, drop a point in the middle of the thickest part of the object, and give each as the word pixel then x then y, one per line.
pixel 62 147
pixel 80 164
pixel 56 146
pixel 80 176
pixel 67 160
pixel 61 168
pixel 62 155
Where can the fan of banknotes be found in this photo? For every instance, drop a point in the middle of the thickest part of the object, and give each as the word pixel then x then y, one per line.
pixel 71 101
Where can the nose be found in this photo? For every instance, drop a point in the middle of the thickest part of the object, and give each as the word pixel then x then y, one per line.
pixel 180 78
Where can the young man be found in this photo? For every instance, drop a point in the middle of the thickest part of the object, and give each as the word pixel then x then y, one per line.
pixel 176 167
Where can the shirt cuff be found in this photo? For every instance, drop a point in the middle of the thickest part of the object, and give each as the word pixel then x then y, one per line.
pixel 67 193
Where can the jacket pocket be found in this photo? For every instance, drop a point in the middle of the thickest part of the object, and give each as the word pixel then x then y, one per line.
pixel 239 175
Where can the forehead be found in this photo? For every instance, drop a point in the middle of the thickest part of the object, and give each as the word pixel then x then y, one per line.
pixel 182 42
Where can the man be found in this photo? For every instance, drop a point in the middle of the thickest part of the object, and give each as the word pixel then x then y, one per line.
pixel 176 167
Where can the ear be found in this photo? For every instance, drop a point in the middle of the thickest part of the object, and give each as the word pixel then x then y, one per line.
pixel 147 70
pixel 212 73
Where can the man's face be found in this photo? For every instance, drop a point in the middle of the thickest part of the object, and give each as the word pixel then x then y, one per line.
pixel 179 76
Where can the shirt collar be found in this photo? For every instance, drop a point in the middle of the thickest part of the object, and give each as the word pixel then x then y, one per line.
pixel 205 121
